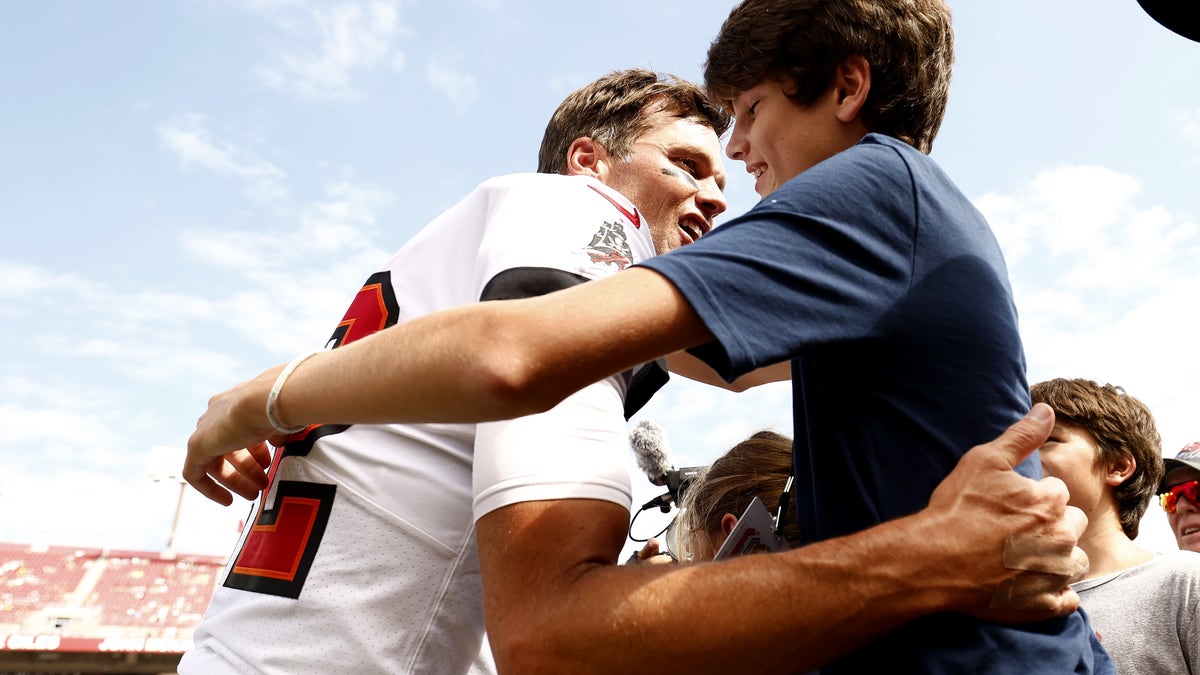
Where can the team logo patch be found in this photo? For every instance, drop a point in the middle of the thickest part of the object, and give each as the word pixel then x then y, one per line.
pixel 610 246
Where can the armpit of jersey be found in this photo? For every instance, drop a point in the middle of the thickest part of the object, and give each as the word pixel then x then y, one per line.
pixel 528 282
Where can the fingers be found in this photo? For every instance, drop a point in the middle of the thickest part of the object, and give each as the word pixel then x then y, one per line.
pixel 241 472
pixel 261 453
pixel 1047 555
pixel 1074 520
pixel 1082 564
pixel 198 478
pixel 1045 594
pixel 1021 439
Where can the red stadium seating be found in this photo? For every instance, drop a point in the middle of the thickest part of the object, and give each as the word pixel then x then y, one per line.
pixel 55 595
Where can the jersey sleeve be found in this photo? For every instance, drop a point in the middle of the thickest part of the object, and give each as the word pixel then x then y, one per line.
pixel 539 241
pixel 575 450
pixel 569 225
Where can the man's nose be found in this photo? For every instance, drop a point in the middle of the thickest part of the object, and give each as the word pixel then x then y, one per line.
pixel 711 200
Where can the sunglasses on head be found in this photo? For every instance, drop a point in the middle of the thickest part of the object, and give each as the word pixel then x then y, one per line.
pixel 1170 498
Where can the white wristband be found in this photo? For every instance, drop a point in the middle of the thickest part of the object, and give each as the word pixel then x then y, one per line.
pixel 273 397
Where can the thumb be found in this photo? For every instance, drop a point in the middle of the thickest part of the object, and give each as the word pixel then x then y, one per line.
pixel 1026 435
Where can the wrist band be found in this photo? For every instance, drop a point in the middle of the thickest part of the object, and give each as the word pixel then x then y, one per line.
pixel 273 397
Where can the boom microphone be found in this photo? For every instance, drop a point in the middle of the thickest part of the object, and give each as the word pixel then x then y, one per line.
pixel 653 455
pixel 649 444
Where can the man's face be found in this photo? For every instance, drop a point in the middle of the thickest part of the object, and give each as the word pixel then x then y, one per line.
pixel 777 138
pixel 1185 522
pixel 675 178
pixel 1070 454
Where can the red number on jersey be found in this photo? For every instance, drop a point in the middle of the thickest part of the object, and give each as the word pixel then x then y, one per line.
pixel 282 543
pixel 279 549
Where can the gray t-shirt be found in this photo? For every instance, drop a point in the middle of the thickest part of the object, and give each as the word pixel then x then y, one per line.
pixel 1147 616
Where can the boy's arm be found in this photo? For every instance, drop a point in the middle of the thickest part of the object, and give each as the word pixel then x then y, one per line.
pixel 479 362
pixel 556 600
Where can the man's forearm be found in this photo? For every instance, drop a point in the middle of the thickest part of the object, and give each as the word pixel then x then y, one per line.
pixel 766 613
pixel 557 602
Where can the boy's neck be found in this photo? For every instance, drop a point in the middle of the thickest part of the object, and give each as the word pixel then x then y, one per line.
pixel 1108 548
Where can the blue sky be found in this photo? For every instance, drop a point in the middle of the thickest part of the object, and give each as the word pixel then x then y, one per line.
pixel 190 192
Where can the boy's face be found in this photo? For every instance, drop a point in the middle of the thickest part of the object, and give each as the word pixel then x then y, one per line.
pixel 1070 455
pixel 778 138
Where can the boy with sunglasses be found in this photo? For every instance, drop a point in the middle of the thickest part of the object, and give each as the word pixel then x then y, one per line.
pixel 1105 447
pixel 1183 480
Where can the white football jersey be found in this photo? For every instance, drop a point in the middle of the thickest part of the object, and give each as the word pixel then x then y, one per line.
pixel 360 557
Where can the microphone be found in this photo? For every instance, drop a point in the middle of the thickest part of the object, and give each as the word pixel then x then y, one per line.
pixel 649 444
pixel 653 455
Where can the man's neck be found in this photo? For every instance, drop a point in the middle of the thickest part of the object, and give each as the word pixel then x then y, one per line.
pixel 1108 548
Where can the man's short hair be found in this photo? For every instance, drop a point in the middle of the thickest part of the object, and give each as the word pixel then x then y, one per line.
pixel 909 45
pixel 1121 425
pixel 615 111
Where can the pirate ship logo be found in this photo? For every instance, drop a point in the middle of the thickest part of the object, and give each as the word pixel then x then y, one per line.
pixel 609 246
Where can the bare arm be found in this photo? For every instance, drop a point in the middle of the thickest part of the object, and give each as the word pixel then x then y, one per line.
pixel 683 363
pixel 486 361
pixel 784 612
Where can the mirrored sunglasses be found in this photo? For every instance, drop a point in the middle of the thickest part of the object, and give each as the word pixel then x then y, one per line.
pixel 1170 498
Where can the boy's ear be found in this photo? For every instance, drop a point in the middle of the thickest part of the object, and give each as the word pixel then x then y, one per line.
pixel 851 84
pixel 1121 469
pixel 586 157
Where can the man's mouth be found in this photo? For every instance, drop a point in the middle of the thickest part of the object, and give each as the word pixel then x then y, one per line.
pixel 691 229
pixel 758 170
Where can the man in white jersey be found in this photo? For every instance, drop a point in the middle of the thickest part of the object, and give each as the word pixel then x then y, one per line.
pixel 361 555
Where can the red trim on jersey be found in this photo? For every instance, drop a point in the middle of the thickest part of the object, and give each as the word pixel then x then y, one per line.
pixel 633 216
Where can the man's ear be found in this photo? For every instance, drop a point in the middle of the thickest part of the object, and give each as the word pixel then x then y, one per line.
pixel 1120 471
pixel 851 84
pixel 586 157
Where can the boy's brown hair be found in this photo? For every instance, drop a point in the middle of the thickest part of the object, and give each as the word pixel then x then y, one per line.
pixel 909 45
pixel 1121 425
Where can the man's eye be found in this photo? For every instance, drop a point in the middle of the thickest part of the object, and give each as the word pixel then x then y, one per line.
pixel 689 164
pixel 750 110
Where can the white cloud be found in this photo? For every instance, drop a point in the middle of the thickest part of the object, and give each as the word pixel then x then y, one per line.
pixel 351 38
pixel 189 139
pixel 1189 126
pixel 1067 210
pixel 1080 230
pixel 455 85
pixel 295 284
pixel 1106 287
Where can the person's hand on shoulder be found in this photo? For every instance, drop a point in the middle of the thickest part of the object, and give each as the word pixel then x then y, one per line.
pixel 1015 537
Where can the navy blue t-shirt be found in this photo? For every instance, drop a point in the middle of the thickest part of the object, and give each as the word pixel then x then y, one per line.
pixel 886 289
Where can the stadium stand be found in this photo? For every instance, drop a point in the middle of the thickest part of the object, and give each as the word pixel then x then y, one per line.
pixel 88 610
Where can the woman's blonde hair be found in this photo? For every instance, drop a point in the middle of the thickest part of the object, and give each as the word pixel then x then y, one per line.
pixel 757 467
